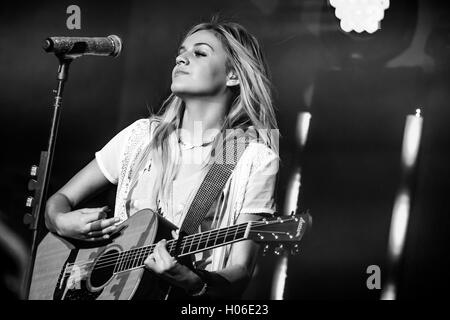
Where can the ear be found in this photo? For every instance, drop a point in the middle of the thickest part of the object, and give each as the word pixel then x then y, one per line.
pixel 232 79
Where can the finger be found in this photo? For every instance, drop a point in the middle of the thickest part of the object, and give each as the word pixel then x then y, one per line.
pixel 150 263
pixel 100 238
pixel 100 224
pixel 102 231
pixel 95 210
pixel 93 214
pixel 156 256
pixel 163 254
pixel 175 234
pixel 161 265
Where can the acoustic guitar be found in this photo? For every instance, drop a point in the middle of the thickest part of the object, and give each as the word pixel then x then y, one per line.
pixel 113 269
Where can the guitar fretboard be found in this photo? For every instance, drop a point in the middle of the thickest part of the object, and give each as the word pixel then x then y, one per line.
pixel 134 258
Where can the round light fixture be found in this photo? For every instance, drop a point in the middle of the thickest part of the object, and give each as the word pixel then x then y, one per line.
pixel 360 15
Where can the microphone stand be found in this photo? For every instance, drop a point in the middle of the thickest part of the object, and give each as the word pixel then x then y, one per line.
pixel 42 173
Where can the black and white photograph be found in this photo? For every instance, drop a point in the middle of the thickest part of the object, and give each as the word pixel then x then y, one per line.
pixel 225 156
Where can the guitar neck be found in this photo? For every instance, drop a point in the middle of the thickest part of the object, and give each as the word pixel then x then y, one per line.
pixel 134 258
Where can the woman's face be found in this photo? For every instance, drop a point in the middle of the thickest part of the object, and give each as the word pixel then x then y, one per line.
pixel 200 68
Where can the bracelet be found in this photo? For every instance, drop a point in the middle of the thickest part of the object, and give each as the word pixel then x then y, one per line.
pixel 204 276
pixel 202 290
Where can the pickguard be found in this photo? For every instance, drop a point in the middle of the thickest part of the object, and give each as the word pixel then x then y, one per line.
pixel 72 281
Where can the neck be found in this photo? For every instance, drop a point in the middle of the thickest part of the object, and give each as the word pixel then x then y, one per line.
pixel 203 118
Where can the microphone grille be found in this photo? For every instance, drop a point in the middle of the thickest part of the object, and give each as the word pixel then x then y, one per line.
pixel 47 45
pixel 117 43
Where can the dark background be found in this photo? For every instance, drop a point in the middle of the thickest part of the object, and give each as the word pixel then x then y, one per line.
pixel 358 87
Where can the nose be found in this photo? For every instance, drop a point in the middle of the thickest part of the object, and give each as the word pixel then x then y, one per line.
pixel 182 59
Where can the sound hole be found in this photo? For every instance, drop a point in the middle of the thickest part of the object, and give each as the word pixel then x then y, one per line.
pixel 104 268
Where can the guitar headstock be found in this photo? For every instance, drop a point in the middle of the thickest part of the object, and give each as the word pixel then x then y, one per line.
pixel 283 231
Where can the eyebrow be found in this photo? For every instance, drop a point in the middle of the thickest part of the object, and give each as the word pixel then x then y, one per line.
pixel 197 44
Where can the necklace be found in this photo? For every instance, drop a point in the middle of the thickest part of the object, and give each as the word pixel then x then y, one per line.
pixel 191 145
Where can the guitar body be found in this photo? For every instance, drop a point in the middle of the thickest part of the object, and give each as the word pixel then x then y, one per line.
pixel 65 269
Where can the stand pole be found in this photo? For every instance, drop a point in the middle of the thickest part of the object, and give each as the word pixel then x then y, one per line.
pixel 44 171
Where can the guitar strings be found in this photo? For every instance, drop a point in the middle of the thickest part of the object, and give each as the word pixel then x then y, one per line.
pixel 129 260
pixel 185 239
pixel 143 251
pixel 129 255
pixel 137 254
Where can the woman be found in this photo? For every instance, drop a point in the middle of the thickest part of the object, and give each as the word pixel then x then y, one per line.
pixel 219 82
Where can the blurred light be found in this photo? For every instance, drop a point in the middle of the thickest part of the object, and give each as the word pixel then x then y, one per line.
pixel 411 139
pixel 280 279
pixel 399 224
pixel 389 293
pixel 293 192
pixel 360 15
pixel 303 120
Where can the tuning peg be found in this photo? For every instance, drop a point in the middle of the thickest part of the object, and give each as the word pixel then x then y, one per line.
pixel 266 249
pixel 34 170
pixel 279 249
pixel 295 250
pixel 29 202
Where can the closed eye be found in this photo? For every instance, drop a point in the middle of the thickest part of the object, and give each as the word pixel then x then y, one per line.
pixel 199 53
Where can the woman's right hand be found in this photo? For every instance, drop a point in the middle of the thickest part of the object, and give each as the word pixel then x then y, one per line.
pixel 88 224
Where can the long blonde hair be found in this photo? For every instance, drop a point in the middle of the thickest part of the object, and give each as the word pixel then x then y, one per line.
pixel 251 105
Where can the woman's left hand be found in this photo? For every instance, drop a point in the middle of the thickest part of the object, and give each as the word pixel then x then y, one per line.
pixel 166 266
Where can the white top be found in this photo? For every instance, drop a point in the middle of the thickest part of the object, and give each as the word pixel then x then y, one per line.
pixel 250 188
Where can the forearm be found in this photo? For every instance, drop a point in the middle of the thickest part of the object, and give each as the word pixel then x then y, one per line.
pixel 56 205
pixel 229 282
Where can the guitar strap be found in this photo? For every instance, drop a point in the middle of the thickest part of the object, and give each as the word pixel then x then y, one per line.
pixel 224 161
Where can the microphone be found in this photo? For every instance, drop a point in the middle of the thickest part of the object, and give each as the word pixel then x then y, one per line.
pixel 78 46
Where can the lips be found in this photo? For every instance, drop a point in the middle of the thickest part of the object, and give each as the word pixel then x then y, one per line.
pixel 179 72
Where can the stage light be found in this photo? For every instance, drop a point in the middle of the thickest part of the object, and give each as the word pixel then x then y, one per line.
pixel 360 15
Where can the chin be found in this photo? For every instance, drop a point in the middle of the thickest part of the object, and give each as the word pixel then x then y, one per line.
pixel 183 91
pixel 179 87
pixel 178 90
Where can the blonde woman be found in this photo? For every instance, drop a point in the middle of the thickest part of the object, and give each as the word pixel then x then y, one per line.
pixel 219 82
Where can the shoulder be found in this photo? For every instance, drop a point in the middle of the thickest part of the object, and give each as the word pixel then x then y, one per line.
pixel 261 149
pixel 139 125
pixel 259 156
pixel 142 127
